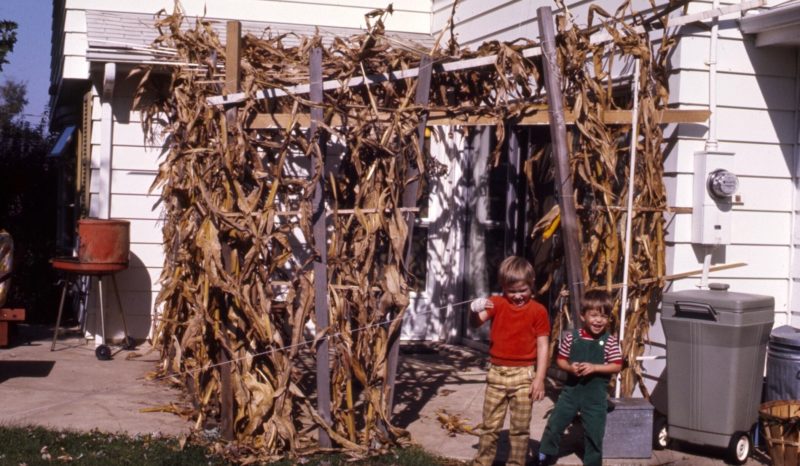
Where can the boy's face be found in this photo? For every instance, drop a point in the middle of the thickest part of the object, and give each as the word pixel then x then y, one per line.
pixel 518 293
pixel 594 321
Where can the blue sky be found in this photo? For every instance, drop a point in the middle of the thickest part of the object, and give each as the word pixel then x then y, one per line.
pixel 30 61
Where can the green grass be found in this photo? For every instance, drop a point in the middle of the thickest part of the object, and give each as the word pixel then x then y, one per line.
pixel 38 446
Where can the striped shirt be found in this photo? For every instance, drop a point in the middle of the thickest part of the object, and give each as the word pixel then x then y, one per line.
pixel 612 352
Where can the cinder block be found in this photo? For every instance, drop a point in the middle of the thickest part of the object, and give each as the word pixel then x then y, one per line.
pixel 629 429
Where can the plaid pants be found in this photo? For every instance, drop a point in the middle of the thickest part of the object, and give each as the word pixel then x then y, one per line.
pixel 506 387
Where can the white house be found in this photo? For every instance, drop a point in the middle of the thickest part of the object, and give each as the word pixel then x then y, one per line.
pixel 752 58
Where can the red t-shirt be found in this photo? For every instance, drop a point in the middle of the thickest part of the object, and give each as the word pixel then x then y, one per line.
pixel 512 340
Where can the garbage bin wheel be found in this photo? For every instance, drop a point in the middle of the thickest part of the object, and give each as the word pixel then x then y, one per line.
pixel 128 343
pixel 740 448
pixel 660 433
pixel 103 353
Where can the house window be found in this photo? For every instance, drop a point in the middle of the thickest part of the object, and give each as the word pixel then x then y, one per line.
pixel 418 265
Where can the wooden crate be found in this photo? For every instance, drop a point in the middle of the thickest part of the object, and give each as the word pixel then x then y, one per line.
pixel 9 315
pixel 780 420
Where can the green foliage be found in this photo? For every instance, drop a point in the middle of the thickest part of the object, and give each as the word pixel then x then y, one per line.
pixel 13 98
pixel 28 183
pixel 8 37
pixel 39 446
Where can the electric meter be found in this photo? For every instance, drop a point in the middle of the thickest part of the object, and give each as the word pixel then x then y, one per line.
pixel 722 183
pixel 714 184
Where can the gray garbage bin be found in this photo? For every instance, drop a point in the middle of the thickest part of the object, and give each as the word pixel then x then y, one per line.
pixel 783 364
pixel 716 343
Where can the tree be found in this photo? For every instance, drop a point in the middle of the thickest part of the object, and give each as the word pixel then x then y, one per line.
pixel 12 100
pixel 28 181
pixel 8 37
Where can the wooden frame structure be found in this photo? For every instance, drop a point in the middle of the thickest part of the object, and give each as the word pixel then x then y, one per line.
pixel 553 115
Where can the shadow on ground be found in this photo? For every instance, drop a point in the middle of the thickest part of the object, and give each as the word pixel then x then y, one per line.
pixel 423 372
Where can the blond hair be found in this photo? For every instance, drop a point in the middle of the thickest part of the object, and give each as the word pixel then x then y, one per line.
pixel 515 269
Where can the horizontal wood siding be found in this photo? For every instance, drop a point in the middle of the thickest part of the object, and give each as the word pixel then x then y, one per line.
pixel 73 44
pixel 412 16
pixel 757 121
pixel 477 21
pixel 133 169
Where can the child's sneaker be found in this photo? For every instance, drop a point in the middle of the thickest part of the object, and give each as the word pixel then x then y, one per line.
pixel 544 460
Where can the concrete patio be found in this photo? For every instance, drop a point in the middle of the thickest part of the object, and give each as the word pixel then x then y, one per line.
pixel 70 389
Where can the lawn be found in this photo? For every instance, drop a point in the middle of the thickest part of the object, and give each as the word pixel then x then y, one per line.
pixel 38 446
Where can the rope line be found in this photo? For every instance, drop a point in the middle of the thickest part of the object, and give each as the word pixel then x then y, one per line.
pixel 307 341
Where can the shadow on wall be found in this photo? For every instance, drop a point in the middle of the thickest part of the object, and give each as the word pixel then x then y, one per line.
pixel 135 296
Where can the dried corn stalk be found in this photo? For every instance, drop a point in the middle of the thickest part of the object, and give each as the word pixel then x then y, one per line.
pixel 599 161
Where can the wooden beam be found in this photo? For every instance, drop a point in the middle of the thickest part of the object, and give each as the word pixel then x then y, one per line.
pixel 488 60
pixel 421 97
pixel 478 62
pixel 558 135
pixel 437 118
pixel 233 55
pixel 673 277
pixel 320 231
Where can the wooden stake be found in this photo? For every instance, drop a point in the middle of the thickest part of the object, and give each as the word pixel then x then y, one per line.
pixel 409 201
pixel 233 56
pixel 558 135
pixel 321 262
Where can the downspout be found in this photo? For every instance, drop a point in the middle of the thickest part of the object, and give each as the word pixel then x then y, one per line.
pixel 711 141
pixel 793 237
pixel 106 142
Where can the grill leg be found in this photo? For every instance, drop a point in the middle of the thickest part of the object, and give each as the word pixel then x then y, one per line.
pixel 119 303
pixel 102 310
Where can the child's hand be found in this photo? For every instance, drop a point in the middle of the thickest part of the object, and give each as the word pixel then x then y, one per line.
pixel 481 304
pixel 536 392
pixel 584 368
pixel 575 368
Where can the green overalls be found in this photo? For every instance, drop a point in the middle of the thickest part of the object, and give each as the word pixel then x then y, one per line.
pixel 585 394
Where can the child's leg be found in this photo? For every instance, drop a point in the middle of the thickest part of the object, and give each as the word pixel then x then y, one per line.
pixel 562 415
pixel 495 403
pixel 519 433
pixel 593 416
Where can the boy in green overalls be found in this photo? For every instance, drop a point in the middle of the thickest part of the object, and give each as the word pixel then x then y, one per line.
pixel 590 356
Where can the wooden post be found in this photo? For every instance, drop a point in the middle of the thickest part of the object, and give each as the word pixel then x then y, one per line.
pixel 421 97
pixel 233 56
pixel 558 134
pixel 321 262
pixel 515 195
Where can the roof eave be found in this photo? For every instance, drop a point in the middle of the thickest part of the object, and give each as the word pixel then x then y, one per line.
pixel 778 26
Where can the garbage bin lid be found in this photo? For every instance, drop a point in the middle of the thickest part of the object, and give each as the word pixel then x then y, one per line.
pixel 786 335
pixel 722 300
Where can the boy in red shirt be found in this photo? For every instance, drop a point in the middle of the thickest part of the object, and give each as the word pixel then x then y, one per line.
pixel 518 341
pixel 590 356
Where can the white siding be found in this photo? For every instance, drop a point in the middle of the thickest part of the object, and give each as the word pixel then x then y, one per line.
pixel 74 45
pixel 477 21
pixel 409 16
pixel 757 121
pixel 133 169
